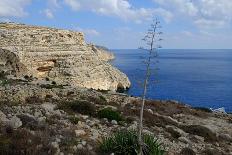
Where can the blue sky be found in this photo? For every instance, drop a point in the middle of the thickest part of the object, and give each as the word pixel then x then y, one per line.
pixel 122 23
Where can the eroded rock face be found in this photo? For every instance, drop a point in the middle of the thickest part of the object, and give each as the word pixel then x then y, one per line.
pixel 61 55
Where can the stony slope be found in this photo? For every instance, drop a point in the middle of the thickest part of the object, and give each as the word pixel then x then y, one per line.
pixel 60 55
pixel 36 114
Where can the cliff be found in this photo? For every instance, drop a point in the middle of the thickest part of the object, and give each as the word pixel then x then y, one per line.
pixel 60 55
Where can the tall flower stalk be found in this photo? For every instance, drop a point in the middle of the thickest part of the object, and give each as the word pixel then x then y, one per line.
pixel 151 39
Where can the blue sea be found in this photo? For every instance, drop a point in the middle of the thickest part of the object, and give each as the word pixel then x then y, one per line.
pixel 200 78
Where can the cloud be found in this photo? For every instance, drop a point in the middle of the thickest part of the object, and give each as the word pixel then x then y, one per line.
pixel 206 14
pixel 53 3
pixel 118 8
pixel 48 13
pixel 208 24
pixel 9 8
pixel 89 32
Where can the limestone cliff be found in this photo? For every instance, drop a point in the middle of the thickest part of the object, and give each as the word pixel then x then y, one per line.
pixel 61 55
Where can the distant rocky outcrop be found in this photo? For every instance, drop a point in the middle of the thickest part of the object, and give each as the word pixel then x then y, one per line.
pixel 60 55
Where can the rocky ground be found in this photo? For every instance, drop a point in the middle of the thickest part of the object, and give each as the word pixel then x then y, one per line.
pixel 34 119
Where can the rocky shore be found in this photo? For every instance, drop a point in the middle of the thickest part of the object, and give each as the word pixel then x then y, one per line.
pixel 43 124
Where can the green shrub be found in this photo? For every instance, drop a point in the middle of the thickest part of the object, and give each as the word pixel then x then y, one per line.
pixel 126 143
pixel 47 79
pixel 53 82
pixel 48 86
pixel 82 107
pixel 110 114
pixel 2 75
pixel 203 109
pixel 74 119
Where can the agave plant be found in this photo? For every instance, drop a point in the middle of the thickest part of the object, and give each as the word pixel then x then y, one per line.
pixel 126 143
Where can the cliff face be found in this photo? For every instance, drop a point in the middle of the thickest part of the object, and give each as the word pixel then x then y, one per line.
pixel 60 55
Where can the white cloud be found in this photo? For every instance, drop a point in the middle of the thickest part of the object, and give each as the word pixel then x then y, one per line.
pixel 53 3
pixel 208 24
pixel 13 8
pixel 119 8
pixel 90 32
pixel 48 13
pixel 203 13
pixel 182 6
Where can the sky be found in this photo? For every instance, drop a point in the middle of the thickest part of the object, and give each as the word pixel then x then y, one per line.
pixel 121 24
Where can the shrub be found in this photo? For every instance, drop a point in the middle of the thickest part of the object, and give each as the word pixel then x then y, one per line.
pixel 82 107
pixel 126 143
pixel 48 86
pixel 101 100
pixel 33 99
pixel 203 109
pixel 110 114
pixel 74 119
pixel 53 82
pixel 2 75
pixel 47 79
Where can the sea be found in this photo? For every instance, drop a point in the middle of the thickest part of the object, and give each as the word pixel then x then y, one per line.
pixel 197 77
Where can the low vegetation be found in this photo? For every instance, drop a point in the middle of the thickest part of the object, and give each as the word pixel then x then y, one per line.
pixel 79 106
pixel 203 109
pixel 126 143
pixel 110 114
pixel 74 119
pixel 51 86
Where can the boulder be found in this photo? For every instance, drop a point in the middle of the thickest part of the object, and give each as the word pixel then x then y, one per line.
pixel 14 122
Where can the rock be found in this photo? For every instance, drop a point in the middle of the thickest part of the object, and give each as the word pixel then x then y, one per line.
pixel 74 148
pixel 3 118
pixel 85 116
pixel 225 137
pixel 48 107
pixel 219 110
pixel 55 145
pixel 61 55
pixel 15 122
pixel 79 146
pixel 114 122
pixel 175 132
pixel 187 151
pixel 184 140
pixel 212 151
pixel 80 133
pixel 95 134
pixel 133 126
pixel 201 130
pixel 83 143
pixel 28 120
pixel 55 148
pixel 150 111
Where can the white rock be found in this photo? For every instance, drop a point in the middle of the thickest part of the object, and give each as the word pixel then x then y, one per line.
pixel 74 148
pixel 150 111
pixel 15 122
pixel 184 140
pixel 134 126
pixel 3 118
pixel 83 143
pixel 55 145
pixel 84 116
pixel 79 146
pixel 219 110
pixel 48 107
pixel 80 133
pixel 114 122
